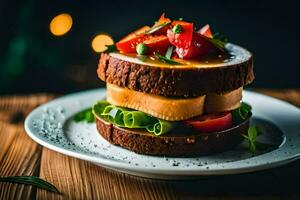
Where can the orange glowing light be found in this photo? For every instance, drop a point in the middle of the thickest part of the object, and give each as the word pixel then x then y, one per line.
pixel 61 24
pixel 100 41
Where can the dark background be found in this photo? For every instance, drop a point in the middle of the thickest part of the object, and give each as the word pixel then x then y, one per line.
pixel 34 60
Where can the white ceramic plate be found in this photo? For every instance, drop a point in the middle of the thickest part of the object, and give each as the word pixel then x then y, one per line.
pixel 51 125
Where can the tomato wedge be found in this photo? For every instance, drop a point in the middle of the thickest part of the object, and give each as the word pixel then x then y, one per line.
pixel 158 44
pixel 184 38
pixel 161 21
pixel 205 30
pixel 200 46
pixel 129 42
pixel 211 122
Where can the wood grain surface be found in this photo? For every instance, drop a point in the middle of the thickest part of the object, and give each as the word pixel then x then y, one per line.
pixel 77 179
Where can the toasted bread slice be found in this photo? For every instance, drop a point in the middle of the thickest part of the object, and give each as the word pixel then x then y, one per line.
pixel 172 144
pixel 180 80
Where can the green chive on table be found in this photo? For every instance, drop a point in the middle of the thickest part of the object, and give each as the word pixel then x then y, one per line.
pixel 77 179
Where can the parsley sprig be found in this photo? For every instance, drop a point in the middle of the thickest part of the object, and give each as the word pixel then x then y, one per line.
pixel 166 60
pixel 219 41
pixel 251 137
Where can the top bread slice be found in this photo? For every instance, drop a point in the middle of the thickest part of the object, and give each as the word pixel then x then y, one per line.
pixel 178 82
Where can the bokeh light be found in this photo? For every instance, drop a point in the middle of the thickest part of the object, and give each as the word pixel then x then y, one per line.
pixel 100 41
pixel 61 24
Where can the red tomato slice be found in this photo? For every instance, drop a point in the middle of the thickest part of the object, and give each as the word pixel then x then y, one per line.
pixel 160 21
pixel 158 44
pixel 129 42
pixel 211 122
pixel 199 47
pixel 184 38
pixel 205 30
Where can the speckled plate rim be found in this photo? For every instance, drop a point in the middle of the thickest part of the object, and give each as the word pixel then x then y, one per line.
pixel 284 115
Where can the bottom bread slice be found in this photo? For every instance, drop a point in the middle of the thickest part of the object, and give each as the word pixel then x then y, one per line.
pixel 172 144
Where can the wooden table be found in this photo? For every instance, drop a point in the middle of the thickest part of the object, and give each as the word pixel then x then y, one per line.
pixel 78 179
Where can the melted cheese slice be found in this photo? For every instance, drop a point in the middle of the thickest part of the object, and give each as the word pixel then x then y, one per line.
pixel 155 105
pixel 223 102
pixel 173 109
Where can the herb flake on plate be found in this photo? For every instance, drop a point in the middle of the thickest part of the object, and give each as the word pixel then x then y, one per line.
pixel 251 137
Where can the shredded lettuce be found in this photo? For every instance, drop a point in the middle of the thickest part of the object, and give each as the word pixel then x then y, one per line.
pixel 128 118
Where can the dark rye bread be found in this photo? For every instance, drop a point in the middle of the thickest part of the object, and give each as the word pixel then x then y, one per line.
pixel 179 82
pixel 172 144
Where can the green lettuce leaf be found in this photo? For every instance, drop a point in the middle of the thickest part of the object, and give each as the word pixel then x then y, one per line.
pixel 160 127
pixel 241 113
pixel 128 118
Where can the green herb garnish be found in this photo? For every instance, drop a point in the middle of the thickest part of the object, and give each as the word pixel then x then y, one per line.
pixel 177 28
pixel 30 180
pixel 156 28
pixel 85 115
pixel 169 52
pixel 128 118
pixel 251 137
pixel 166 60
pixel 219 41
pixel 180 18
pixel 219 36
pixel 141 49
pixel 241 113
pixel 110 48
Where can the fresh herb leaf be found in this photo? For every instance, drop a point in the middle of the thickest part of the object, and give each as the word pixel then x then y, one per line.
pixel 30 180
pixel 219 36
pixel 241 113
pixel 252 133
pixel 110 48
pixel 85 115
pixel 166 60
pixel 251 137
pixel 169 52
pixel 219 41
pixel 156 28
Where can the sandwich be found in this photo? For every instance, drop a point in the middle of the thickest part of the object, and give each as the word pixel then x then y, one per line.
pixel 173 90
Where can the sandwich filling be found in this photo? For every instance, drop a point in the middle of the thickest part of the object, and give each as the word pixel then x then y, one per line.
pixel 158 115
pixel 173 109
